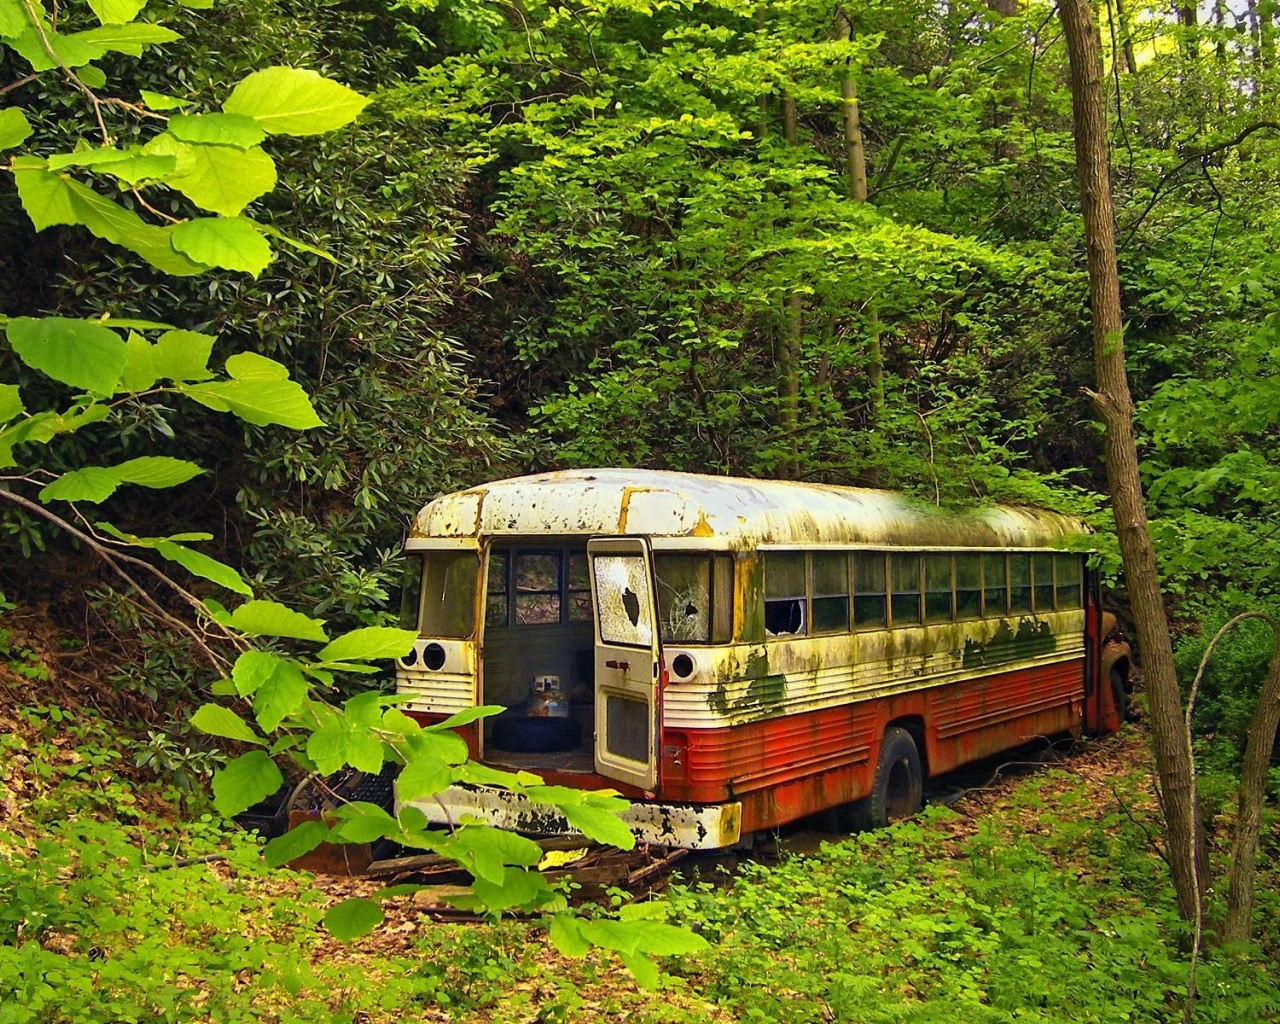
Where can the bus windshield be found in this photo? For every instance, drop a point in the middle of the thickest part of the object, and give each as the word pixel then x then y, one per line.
pixel 447 606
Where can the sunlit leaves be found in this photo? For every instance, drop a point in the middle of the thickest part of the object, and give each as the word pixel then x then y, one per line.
pixel 245 781
pixel 116 12
pixel 230 242
pixel 216 720
pixel 220 129
pixel 97 483
pixel 259 392
pixel 268 618
pixel 14 128
pixel 299 840
pixel 74 352
pixel 370 643
pixel 10 402
pixel 220 179
pixel 353 918
pixel 291 101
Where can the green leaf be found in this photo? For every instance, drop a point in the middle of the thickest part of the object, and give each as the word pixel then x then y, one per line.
pixel 369 643
pixel 220 129
pixel 363 822
pixel 69 50
pixel 252 669
pixel 280 695
pixel 92 76
pixel 13 21
pixel 301 839
pixel 216 720
pixel 327 748
pixel 162 101
pixel 15 129
pixel 518 888
pixel 140 365
pixel 131 165
pixel 128 39
pixel 644 970
pixel 296 243
pixel 229 242
pixel 46 197
pixel 91 483
pixel 262 403
pixel 266 618
pixel 353 918
pixel 423 777
pixel 10 402
pixel 116 12
pixel 247 780
pixel 466 717
pixel 251 366
pixel 290 101
pixel 221 179
pixel 113 222
pixel 199 564
pixel 80 354
pixel 566 935
pixel 157 471
pixel 183 355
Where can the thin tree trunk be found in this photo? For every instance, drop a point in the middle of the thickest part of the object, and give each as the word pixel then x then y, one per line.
pixel 789 346
pixel 1253 780
pixel 1126 37
pixel 1114 406
pixel 856 161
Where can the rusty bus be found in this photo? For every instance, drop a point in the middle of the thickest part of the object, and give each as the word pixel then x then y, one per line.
pixel 734 654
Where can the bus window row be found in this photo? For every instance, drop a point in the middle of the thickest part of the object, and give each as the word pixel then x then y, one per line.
pixel 824 592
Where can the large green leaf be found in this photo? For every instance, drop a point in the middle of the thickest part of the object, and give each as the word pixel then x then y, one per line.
pixel 229 242
pixel 267 618
pixel 291 101
pixel 90 483
pixel 116 12
pixel 363 822
pixel 280 695
pixel 221 179
pixel 220 129
pixel 13 21
pixel 423 777
pixel 10 402
pixel 111 221
pixel 162 101
pixel 247 780
pixel 183 355
pixel 352 918
pixel 45 196
pixel 68 50
pixel 216 720
pixel 252 669
pixel 251 366
pixel 300 839
pixel 157 471
pixel 128 39
pixel 129 165
pixel 77 353
pixel 14 127
pixel 199 564
pixel 370 643
pixel 140 366
pixel 260 402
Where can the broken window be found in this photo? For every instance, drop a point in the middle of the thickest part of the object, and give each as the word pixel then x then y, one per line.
pixel 684 597
pixel 622 591
pixel 784 593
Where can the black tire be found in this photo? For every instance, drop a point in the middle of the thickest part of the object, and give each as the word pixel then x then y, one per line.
pixel 536 735
pixel 898 789
pixel 1120 696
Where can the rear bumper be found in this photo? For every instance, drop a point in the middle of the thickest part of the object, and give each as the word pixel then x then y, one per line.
pixel 701 827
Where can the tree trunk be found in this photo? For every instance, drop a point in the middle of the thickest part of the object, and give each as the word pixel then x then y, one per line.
pixel 1114 407
pixel 856 161
pixel 1126 36
pixel 789 345
pixel 1253 780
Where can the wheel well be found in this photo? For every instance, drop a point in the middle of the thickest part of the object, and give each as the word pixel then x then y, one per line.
pixel 1121 669
pixel 914 725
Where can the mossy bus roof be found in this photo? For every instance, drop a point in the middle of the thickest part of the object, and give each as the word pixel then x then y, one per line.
pixel 688 510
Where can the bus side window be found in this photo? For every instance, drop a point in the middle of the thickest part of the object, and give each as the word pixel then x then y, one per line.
pixel 578 587
pixel 1067 567
pixel 784 594
pixel 937 588
pixel 829 579
pixel 1042 580
pixel 495 599
pixel 1020 583
pixel 537 579
pixel 968 586
pixel 904 578
pixel 870 595
pixel 995 585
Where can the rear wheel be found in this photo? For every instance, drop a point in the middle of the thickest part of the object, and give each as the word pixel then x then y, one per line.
pixel 898 789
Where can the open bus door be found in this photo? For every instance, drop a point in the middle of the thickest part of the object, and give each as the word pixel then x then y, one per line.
pixel 628 660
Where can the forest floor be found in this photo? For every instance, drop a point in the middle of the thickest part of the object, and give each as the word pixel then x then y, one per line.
pixel 1039 894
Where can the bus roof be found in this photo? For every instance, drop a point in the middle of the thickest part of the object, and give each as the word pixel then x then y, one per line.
pixel 691 510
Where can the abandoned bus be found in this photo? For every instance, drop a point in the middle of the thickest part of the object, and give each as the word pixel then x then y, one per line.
pixel 734 654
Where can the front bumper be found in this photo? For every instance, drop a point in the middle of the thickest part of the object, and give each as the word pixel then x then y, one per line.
pixel 700 827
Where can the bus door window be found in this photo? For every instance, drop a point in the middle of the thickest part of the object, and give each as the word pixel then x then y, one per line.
pixel 829 584
pixel 1019 583
pixel 904 578
pixel 995 585
pixel 1042 582
pixel 784 594
pixel 937 588
pixel 870 594
pixel 578 588
pixel 1067 567
pixel 623 591
pixel 537 580
pixel 449 593
pixel 968 586
pixel 495 599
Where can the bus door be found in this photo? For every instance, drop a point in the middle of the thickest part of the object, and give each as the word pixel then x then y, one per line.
pixel 628 660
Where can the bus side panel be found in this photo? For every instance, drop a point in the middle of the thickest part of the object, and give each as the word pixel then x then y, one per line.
pixel 983 717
